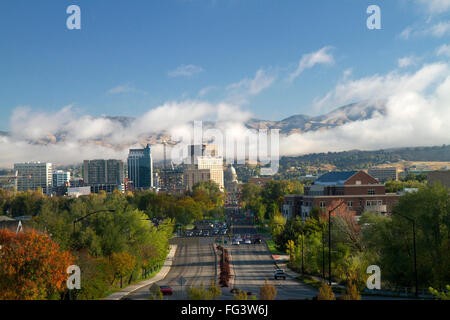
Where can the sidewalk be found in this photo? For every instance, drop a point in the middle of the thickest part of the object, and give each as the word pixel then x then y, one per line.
pixel 159 276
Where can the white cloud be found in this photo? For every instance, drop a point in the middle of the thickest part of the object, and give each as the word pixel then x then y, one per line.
pixel 203 92
pixel 435 6
pixel 65 137
pixel 443 50
pixel 437 30
pixel 311 59
pixel 381 86
pixel 124 88
pixel 185 71
pixel 417 114
pixel 239 92
pixel 407 61
pixel 440 29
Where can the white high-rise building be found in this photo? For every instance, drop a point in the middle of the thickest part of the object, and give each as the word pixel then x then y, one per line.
pixel 60 178
pixel 34 175
pixel 205 164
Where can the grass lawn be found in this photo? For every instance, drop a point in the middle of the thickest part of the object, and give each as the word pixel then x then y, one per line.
pixel 273 248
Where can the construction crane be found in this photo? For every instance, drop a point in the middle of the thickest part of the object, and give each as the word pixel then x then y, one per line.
pixel 165 165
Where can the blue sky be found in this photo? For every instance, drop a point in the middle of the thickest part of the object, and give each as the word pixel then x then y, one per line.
pixel 135 55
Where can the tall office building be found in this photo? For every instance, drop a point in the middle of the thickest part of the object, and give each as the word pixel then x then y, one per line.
pixel 140 168
pixel 60 178
pixel 34 175
pixel 104 175
pixel 204 164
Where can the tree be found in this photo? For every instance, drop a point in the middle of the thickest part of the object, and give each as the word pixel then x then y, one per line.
pixel 32 266
pixel 441 295
pixel 214 290
pixel 122 264
pixel 155 292
pixel 325 292
pixel 352 292
pixel 200 293
pixel 267 291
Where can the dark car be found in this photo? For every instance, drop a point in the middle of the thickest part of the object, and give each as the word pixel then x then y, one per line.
pixel 205 233
pixel 166 290
pixel 257 241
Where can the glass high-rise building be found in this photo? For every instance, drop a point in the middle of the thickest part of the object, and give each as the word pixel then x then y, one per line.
pixel 140 168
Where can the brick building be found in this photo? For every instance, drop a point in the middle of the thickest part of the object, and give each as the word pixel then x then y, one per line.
pixel 357 189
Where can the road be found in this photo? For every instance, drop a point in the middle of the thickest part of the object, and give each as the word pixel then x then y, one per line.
pixel 253 264
pixel 194 261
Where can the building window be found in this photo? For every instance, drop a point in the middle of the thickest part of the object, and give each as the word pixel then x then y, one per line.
pixel 368 203
pixel 350 204
pixel 322 204
pixel 371 191
pixel 358 182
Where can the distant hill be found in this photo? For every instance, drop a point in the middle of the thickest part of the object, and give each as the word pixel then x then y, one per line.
pixel 357 159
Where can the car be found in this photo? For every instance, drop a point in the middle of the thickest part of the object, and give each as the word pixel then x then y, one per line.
pixel 166 290
pixel 205 233
pixel 223 232
pixel 198 233
pixel 189 233
pixel 279 273
pixel 215 231
pixel 236 242
pixel 248 241
pixel 257 241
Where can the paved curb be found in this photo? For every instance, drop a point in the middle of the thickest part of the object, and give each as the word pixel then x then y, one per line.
pixel 159 276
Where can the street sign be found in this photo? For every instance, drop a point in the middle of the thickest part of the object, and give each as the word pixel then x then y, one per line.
pixel 181 281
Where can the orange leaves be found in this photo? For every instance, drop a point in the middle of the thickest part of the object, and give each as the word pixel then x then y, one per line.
pixel 31 266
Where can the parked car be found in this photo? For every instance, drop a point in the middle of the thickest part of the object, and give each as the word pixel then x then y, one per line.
pixel 166 290
pixel 279 273
pixel 236 242
pixel 189 233
pixel 198 233
pixel 247 241
pixel 257 241
pixel 205 233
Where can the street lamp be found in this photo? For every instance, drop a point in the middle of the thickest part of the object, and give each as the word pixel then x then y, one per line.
pixel 89 214
pixel 413 222
pixel 329 240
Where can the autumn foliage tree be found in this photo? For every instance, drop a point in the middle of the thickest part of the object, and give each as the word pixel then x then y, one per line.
pixel 122 264
pixel 325 292
pixel 267 291
pixel 32 266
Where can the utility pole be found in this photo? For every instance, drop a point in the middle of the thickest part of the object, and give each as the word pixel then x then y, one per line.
pixel 329 240
pixel 413 222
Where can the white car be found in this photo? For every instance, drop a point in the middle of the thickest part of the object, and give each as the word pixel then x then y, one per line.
pixel 279 274
pixel 236 242
pixel 248 241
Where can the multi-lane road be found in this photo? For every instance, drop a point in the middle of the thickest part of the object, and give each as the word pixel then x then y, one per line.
pixel 195 262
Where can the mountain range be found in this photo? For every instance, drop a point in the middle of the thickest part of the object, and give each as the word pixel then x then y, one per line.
pixel 294 124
